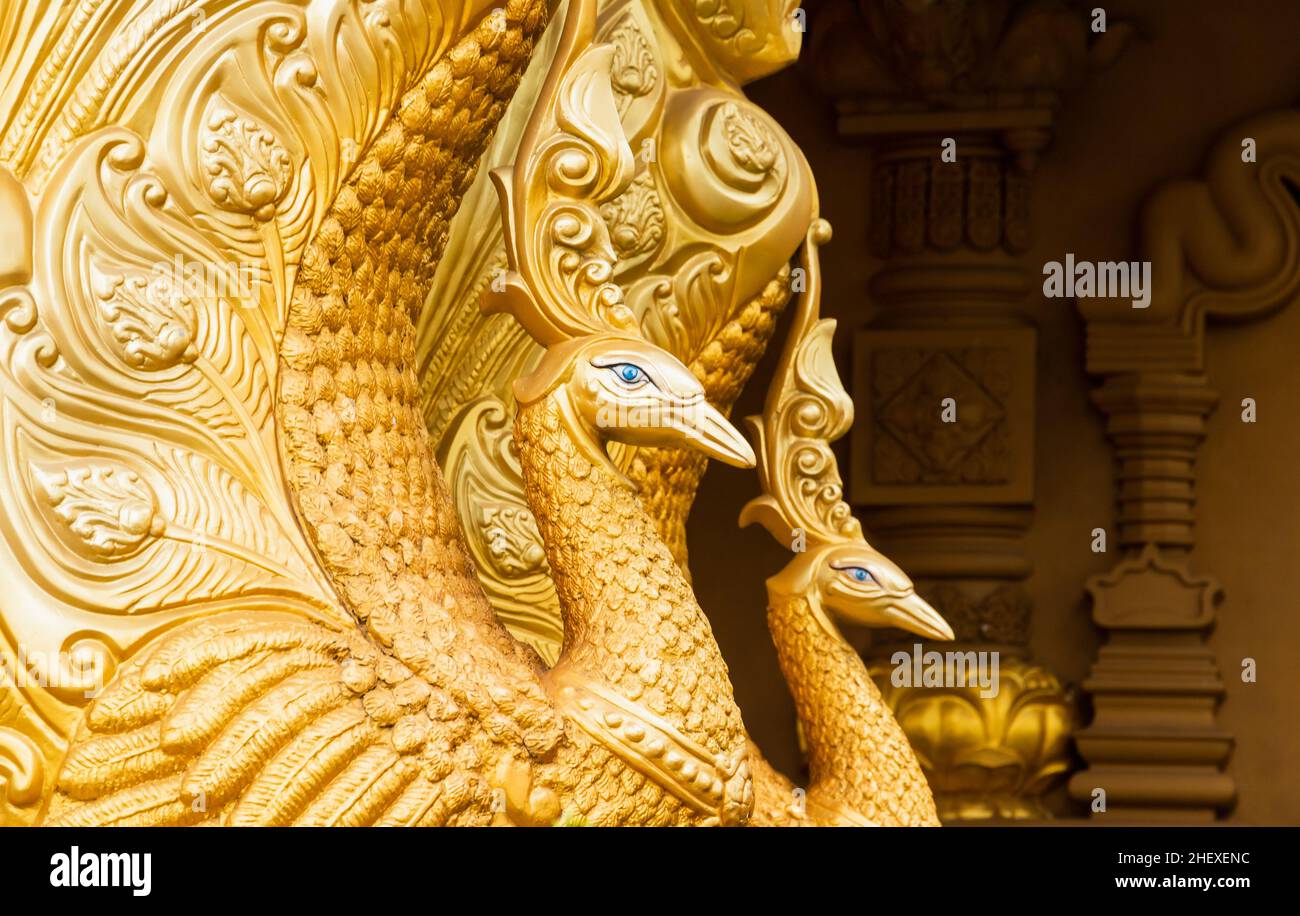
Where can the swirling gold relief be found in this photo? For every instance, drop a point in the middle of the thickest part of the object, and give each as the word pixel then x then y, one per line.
pixel 702 237
pixel 158 186
pixel 741 40
pixel 559 283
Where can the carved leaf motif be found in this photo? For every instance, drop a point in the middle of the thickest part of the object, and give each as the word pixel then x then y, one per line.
pixel 751 144
pixel 634 71
pixel 109 509
pixel 636 220
pixel 227 539
pixel 167 384
pixel 684 311
pixel 151 321
pixel 513 542
pixel 248 169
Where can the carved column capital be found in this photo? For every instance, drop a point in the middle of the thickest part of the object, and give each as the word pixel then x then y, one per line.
pixel 1156 423
pixel 1002 63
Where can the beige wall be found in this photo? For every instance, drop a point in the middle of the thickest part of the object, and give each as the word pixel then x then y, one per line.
pixel 1200 67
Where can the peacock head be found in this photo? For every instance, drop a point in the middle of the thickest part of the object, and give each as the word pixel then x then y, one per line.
pixel 560 283
pixel 839 573
pixel 621 388
pixel 860 585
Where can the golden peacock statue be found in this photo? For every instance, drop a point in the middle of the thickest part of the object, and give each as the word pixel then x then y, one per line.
pixel 703 236
pixel 862 768
pixel 430 713
pixel 238 588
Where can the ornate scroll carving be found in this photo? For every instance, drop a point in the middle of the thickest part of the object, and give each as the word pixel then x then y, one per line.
pixel 247 168
pixel 807 409
pixel 702 236
pixel 152 236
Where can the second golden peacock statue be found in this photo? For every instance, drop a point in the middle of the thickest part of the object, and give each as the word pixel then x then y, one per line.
pixel 862 768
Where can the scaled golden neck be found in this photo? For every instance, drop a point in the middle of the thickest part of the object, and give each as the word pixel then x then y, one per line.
pixel 859 757
pixel 631 622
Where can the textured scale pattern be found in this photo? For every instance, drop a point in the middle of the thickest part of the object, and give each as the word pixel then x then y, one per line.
pixel 631 620
pixel 859 757
pixel 773 796
pixel 415 708
pixel 358 454
pixel 668 478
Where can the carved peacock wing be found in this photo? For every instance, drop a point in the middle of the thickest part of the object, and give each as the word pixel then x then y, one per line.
pixel 269 719
pixel 250 719
pixel 217 223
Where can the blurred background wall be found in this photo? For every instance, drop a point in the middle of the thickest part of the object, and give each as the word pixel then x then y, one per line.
pixel 1188 71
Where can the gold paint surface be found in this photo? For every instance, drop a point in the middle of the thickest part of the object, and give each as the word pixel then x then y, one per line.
pixel 238 587
pixel 702 236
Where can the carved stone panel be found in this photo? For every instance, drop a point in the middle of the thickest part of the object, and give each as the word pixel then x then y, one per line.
pixel 912 445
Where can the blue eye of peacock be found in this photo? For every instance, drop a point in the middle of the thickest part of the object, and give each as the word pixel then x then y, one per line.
pixel 857 573
pixel 629 373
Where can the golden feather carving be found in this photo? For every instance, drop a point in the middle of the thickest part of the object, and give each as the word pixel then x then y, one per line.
pixel 225 505
pixel 559 283
pixel 806 410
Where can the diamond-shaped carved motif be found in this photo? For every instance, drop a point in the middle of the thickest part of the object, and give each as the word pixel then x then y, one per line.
pixel 919 444
pixel 907 449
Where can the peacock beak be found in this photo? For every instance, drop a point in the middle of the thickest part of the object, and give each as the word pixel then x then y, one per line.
pixel 912 613
pixel 708 431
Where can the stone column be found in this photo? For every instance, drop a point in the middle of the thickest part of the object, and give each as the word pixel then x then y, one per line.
pixel 1226 244
pixel 956 102
pixel 1154 749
